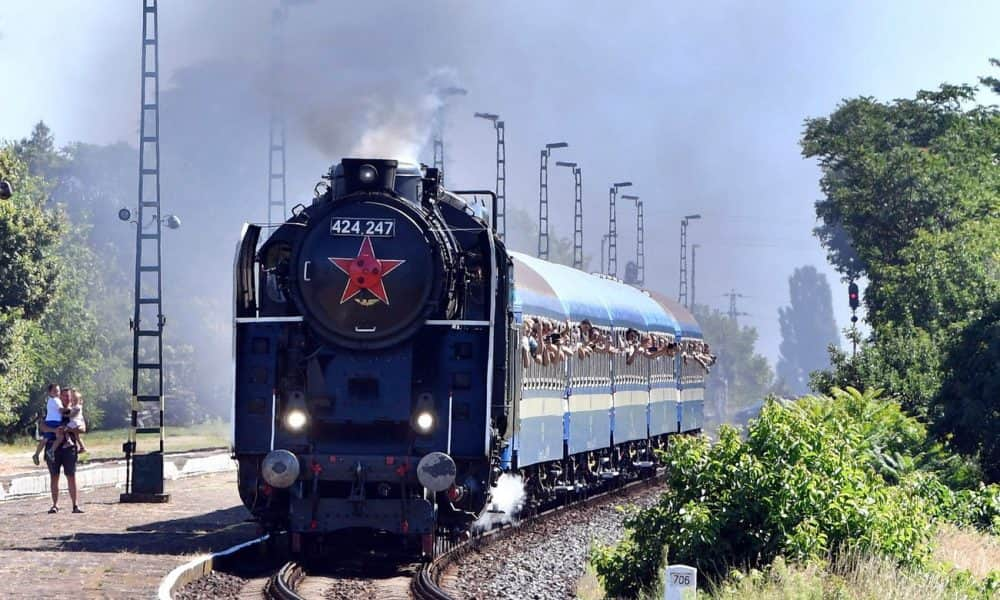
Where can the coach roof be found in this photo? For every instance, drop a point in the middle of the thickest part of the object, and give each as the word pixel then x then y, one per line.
pixel 558 291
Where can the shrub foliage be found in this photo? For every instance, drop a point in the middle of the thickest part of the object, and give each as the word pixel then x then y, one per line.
pixel 801 485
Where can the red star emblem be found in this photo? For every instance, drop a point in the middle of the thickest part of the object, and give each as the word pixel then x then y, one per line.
pixel 365 272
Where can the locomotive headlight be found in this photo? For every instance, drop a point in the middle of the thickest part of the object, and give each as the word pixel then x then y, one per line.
pixel 367 173
pixel 295 419
pixel 424 422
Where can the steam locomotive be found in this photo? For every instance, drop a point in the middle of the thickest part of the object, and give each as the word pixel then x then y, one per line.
pixel 393 359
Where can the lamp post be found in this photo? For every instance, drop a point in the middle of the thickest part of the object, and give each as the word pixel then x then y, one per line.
pixel 682 295
pixel 604 238
pixel 613 227
pixel 577 212
pixel 501 225
pixel 543 199
pixel 640 254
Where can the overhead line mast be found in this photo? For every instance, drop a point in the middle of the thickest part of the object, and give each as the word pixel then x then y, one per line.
pixel 144 471
pixel 613 227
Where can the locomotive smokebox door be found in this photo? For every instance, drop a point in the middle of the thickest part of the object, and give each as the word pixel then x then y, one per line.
pixel 367 274
pixel 436 471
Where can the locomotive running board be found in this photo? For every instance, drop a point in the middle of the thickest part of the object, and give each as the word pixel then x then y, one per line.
pixel 457 323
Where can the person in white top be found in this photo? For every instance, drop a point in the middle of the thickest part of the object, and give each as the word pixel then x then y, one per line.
pixel 53 418
pixel 64 458
pixel 72 425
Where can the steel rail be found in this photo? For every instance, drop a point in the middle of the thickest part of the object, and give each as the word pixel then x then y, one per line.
pixel 281 585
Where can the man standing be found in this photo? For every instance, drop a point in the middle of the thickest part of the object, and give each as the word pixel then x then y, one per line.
pixel 63 458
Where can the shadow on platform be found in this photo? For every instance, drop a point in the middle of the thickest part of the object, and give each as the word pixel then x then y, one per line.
pixel 207 532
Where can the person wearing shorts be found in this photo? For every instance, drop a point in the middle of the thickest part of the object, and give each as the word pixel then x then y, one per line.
pixel 63 459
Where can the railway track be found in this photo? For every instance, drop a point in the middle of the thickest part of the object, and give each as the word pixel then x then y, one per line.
pixel 355 578
pixel 282 585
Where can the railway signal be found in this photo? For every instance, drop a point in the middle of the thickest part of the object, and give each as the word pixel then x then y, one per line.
pixel 855 301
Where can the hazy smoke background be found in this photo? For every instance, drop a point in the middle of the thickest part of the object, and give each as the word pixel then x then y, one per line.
pixel 700 107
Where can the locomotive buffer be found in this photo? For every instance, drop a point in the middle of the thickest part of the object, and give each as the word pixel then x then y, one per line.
pixel 144 471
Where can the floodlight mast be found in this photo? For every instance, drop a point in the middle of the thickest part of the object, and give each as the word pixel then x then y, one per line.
pixel 501 201
pixel 277 205
pixel 613 227
pixel 577 212
pixel 442 94
pixel 682 294
pixel 543 199
pixel 640 254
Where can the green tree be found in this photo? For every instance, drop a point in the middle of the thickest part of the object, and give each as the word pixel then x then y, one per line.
pixel 968 406
pixel 29 266
pixel 893 169
pixel 912 202
pixel 740 376
pixel 807 329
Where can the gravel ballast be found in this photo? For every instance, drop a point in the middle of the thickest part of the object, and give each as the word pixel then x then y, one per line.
pixel 543 560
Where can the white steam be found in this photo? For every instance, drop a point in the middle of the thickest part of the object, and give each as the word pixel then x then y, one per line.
pixel 506 502
pixel 399 122
pixel 398 130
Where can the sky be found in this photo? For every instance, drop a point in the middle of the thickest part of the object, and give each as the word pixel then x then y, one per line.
pixel 701 105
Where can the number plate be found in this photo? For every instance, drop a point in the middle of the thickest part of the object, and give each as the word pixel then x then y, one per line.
pixel 363 227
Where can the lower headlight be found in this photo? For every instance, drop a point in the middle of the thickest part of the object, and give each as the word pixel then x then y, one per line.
pixel 295 419
pixel 280 468
pixel 424 421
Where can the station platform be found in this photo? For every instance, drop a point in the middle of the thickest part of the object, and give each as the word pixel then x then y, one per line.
pixel 116 550
pixel 27 481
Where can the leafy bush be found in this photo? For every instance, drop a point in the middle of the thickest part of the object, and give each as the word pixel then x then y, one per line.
pixel 978 507
pixel 801 485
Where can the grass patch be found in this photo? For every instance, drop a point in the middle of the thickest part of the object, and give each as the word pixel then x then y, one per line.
pixel 107 443
pixel 589 586
pixel 968 550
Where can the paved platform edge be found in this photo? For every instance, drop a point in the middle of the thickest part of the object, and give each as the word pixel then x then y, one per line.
pixel 104 475
pixel 195 569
